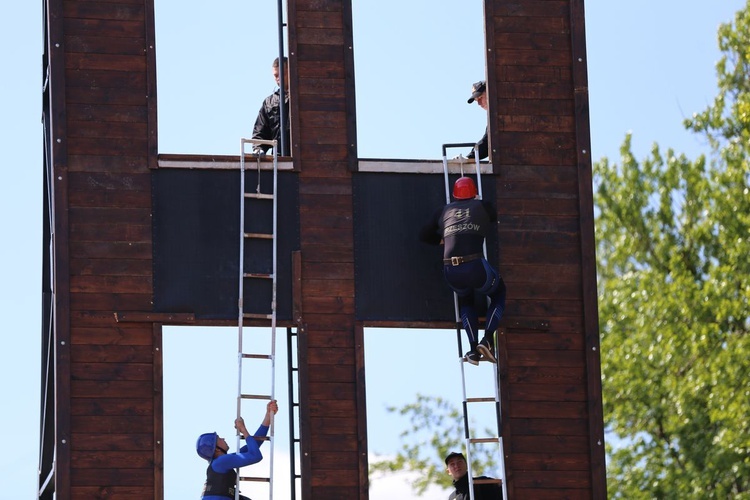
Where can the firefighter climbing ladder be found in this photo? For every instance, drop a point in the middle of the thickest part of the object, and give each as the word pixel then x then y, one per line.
pixel 257 289
pixel 469 440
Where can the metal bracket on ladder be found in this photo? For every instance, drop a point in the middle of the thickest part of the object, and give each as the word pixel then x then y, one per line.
pixel 247 281
pixel 469 440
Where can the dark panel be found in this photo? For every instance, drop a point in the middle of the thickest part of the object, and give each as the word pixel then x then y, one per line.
pixel 116 441
pixel 108 301
pixel 105 45
pixel 550 461
pixel 118 459
pixel 399 278
pixel 110 477
pixel 117 334
pixel 106 113
pixel 103 10
pixel 93 353
pixel 196 240
pixel 114 492
pixel 96 78
pixel 109 406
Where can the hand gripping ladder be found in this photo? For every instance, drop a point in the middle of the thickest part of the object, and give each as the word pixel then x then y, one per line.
pixel 257 291
pixel 469 440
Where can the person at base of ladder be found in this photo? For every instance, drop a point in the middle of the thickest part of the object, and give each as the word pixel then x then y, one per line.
pixel 221 477
pixel 458 470
pixel 463 225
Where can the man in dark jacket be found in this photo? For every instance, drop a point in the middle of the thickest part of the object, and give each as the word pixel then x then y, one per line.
pixel 268 123
pixel 485 488
pixel 479 94
pixel 462 225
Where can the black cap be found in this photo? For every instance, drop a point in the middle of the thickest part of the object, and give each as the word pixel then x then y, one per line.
pixel 454 454
pixel 476 90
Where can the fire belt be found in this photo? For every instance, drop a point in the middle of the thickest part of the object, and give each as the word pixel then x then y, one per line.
pixel 455 261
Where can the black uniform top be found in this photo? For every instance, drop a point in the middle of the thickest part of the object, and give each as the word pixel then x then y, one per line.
pixel 483 148
pixel 490 491
pixel 219 484
pixel 462 225
pixel 268 123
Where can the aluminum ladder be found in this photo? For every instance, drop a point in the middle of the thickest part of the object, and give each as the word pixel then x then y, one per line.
pixel 470 440
pixel 257 294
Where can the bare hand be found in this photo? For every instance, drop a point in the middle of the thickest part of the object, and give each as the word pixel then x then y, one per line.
pixel 239 424
pixel 272 407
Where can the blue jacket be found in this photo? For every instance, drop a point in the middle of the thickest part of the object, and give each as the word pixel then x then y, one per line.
pixel 221 476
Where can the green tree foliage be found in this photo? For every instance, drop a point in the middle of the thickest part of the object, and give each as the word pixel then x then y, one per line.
pixel 673 243
pixel 435 429
pixel 673 249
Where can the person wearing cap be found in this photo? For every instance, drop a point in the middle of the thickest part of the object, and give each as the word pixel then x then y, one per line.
pixel 462 226
pixel 458 470
pixel 479 94
pixel 221 477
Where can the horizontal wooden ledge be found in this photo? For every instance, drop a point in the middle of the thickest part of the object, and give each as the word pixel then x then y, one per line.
pixel 525 324
pixel 422 166
pixel 228 162
pixel 154 317
pixel 221 162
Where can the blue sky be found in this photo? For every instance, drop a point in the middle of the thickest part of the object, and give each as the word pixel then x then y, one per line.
pixel 650 65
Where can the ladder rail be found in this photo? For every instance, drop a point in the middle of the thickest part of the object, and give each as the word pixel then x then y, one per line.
pixel 273 307
pixel 293 371
pixel 466 400
pixel 499 418
pixel 241 355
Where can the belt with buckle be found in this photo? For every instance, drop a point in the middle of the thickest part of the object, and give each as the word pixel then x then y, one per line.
pixel 454 261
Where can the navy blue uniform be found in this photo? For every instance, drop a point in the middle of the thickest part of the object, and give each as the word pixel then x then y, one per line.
pixel 463 225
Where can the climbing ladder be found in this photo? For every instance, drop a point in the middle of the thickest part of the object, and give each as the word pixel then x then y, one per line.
pixel 292 338
pixel 469 438
pixel 257 293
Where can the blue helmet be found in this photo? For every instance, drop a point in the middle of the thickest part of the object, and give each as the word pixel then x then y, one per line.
pixel 206 445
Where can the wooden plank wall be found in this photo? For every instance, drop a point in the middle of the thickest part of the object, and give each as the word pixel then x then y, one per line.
pixel 540 142
pixel 330 347
pixel 108 376
pixel 108 414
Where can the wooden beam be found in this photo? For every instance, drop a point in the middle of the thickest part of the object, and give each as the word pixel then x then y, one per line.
pixel 153 317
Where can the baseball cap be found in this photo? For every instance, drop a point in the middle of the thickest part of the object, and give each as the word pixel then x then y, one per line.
pixel 477 89
pixel 454 454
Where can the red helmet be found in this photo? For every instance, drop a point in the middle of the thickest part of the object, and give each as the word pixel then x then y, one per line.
pixel 464 189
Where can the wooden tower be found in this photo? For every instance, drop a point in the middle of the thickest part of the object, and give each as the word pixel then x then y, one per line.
pixel 111 284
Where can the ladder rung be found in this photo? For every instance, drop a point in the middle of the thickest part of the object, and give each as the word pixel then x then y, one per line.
pixel 259 196
pixel 255 479
pixel 258 275
pixel 484 440
pixel 256 396
pixel 257 316
pixel 262 236
pixel 487 481
pixel 256 356
pixel 262 438
pixel 480 400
